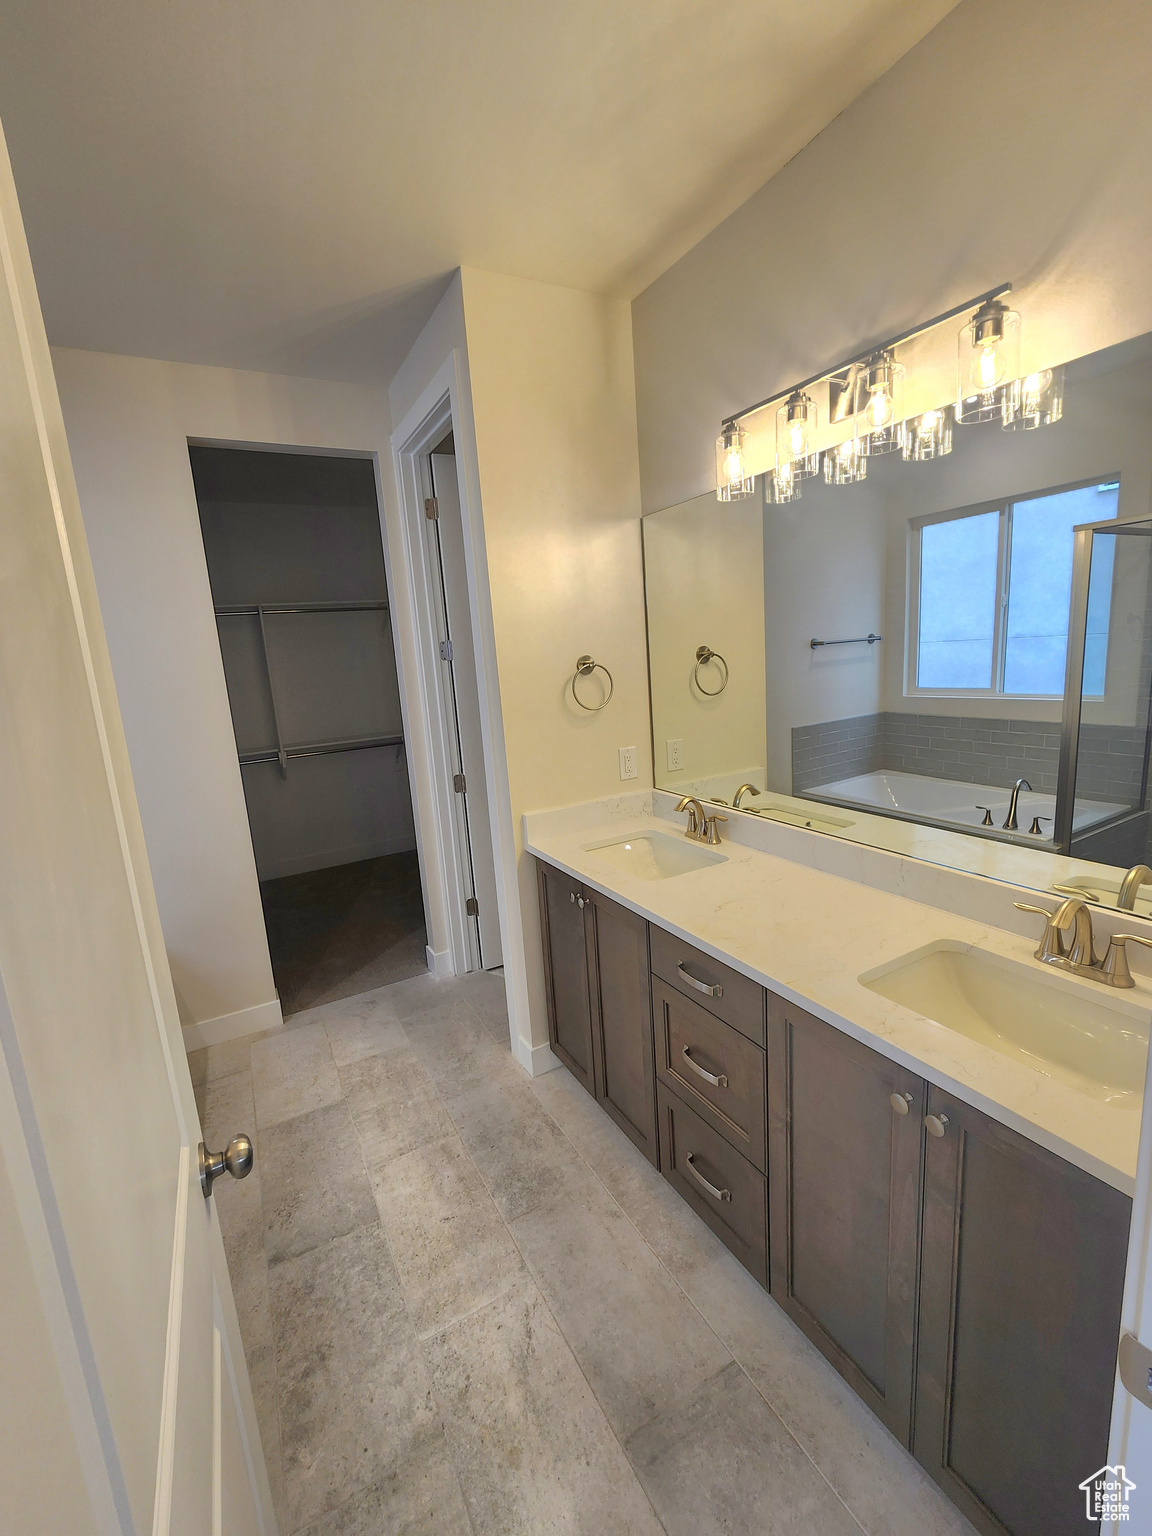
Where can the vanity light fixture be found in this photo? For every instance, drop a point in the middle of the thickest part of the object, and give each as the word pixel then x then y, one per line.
pixel 733 482
pixel 845 464
pixel 988 359
pixel 1036 400
pixel 782 485
pixel 879 404
pixel 928 436
pixel 795 430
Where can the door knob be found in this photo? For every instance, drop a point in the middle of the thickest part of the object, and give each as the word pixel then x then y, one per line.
pixel 236 1159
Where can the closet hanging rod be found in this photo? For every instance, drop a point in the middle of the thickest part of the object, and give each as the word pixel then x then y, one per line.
pixel 250 610
pixel 321 748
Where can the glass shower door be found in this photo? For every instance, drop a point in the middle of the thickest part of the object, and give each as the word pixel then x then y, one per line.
pixel 1102 811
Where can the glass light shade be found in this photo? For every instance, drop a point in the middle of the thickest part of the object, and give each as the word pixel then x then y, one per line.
pixel 733 482
pixel 795 435
pixel 1036 400
pixel 844 464
pixel 988 359
pixel 879 405
pixel 928 436
pixel 782 485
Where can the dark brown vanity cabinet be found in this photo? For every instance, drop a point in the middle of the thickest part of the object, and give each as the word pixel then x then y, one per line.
pixel 965 1281
pixel 1020 1292
pixel 845 1127
pixel 598 979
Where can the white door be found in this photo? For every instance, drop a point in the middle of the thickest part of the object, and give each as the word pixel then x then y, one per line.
pixel 462 702
pixel 124 1398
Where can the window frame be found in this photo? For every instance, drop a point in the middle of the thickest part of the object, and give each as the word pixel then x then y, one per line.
pixel 1003 505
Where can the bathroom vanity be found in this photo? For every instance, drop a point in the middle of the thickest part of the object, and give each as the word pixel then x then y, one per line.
pixel 946 1221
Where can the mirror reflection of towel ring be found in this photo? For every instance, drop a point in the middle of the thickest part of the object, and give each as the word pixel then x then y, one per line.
pixel 703 656
pixel 585 667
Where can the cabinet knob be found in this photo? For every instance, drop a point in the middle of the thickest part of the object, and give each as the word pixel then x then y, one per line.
pixel 900 1102
pixel 936 1124
pixel 579 900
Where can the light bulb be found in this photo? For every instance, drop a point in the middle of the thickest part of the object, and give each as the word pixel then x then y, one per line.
pixel 989 356
pixel 797 439
pixel 795 422
pixel 734 466
pixel 733 482
pixel 989 367
pixel 1034 386
pixel 879 411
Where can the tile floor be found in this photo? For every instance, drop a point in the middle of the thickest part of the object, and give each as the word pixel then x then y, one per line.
pixel 470 1306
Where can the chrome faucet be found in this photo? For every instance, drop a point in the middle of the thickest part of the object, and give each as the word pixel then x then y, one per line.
pixel 696 816
pixel 1137 876
pixel 752 790
pixel 1080 957
pixel 1011 824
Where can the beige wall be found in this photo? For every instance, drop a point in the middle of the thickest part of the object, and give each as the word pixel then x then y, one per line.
pixel 554 408
pixel 1013 144
pixel 128 422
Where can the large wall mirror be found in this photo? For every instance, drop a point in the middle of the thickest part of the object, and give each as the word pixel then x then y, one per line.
pixel 950 658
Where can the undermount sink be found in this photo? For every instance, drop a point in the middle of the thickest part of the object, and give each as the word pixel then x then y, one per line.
pixel 655 855
pixel 794 818
pixel 1098 1045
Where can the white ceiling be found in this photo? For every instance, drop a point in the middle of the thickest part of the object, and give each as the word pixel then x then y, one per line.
pixel 287 184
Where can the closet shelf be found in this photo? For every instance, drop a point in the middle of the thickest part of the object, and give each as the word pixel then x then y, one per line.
pixel 254 610
pixel 319 749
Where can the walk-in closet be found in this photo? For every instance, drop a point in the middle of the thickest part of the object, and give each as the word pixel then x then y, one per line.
pixel 296 566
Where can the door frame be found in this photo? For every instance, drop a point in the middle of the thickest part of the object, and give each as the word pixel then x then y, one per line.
pixel 445 404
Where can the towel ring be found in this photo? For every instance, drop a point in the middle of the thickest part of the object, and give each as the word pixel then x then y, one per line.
pixel 703 656
pixel 585 667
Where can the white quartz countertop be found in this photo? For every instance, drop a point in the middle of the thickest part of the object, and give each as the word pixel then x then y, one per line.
pixel 808 935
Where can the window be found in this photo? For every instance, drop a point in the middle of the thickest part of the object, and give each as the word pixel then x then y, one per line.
pixel 991 592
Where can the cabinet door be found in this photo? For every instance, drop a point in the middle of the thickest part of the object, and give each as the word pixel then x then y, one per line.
pixel 1023 1270
pixel 844 1181
pixel 566 972
pixel 621 997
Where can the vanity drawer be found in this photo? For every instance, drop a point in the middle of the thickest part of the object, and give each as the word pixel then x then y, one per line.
pixel 693 1047
pixel 717 987
pixel 717 1182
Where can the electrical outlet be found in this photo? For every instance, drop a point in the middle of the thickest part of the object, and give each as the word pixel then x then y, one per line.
pixel 675 755
pixel 628 769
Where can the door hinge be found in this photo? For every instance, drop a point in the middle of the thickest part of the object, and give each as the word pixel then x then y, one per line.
pixel 445 650
pixel 472 907
pixel 431 508
pixel 459 783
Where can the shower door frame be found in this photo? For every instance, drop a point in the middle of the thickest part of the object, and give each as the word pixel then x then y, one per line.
pixel 1083 536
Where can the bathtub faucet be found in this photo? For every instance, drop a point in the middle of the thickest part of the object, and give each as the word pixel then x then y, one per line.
pixel 1011 824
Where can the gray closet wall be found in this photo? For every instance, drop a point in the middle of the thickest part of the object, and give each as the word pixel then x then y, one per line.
pixel 284 530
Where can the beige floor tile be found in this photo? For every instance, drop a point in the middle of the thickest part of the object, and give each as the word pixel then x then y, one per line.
pixel 314 1183
pixel 887 1491
pixel 459 1052
pixel 640 1342
pixel 533 1450
pixel 293 1072
pixel 417 995
pixel 366 1031
pixel 355 1400
pixel 451 1248
pixel 420 1497
pixel 393 1104
pixel 724 1463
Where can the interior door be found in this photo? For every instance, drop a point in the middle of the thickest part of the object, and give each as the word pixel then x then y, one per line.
pixel 118 1294
pixel 459 661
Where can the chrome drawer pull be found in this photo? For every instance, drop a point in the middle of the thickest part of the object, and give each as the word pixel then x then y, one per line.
pixel 701 986
pixel 717 1081
pixel 717 1194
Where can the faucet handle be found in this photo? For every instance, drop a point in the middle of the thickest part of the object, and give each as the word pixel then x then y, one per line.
pixel 710 834
pixel 1114 966
pixel 987 819
pixel 1051 946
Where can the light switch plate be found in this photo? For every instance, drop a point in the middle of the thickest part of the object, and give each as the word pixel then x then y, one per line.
pixel 675 754
pixel 628 768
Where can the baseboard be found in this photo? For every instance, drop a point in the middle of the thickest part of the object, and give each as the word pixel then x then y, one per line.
pixel 233 1026
pixel 439 962
pixel 535 1059
pixel 277 869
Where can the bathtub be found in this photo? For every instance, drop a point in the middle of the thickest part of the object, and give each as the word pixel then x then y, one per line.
pixel 951 802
